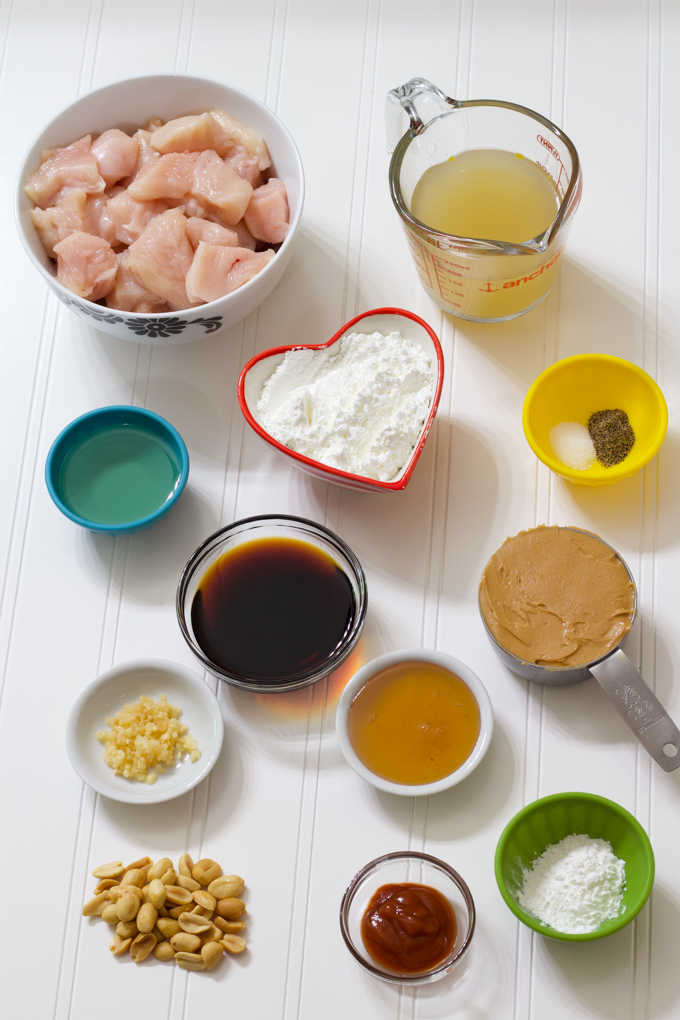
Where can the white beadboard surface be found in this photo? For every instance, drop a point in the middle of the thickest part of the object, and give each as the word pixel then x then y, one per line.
pixel 281 807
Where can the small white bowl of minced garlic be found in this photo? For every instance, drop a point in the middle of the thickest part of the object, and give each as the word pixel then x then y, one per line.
pixel 145 731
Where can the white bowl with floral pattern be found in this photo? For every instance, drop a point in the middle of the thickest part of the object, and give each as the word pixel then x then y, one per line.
pixel 126 105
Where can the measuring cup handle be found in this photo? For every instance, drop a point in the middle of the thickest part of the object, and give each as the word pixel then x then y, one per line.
pixel 401 103
pixel 637 704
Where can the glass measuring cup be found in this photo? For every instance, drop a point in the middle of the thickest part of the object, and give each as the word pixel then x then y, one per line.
pixel 632 698
pixel 479 279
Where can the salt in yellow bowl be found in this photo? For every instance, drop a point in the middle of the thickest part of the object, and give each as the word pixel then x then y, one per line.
pixel 572 389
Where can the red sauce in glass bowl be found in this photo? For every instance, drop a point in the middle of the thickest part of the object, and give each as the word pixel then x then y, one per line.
pixel 408 927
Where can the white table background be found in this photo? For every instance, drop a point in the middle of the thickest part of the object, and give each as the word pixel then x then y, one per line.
pixel 281 807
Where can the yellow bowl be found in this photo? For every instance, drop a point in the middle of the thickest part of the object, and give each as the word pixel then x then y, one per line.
pixel 572 389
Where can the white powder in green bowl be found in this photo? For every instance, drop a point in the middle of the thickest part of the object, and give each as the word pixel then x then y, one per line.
pixel 572 445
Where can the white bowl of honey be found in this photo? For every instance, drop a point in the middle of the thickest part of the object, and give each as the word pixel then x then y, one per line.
pixel 414 722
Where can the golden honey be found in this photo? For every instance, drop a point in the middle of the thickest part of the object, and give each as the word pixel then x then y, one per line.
pixel 414 723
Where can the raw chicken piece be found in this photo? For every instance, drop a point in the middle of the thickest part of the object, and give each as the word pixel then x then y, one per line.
pixel 152 124
pixel 245 238
pixel 58 221
pixel 267 214
pixel 162 256
pixel 168 177
pixel 61 169
pixel 211 233
pixel 192 207
pixel 116 154
pixel 130 217
pixel 75 210
pixel 98 220
pixel 129 295
pixel 243 135
pixel 147 154
pixel 86 265
pixel 245 165
pixel 245 269
pixel 219 186
pixel 218 270
pixel 192 134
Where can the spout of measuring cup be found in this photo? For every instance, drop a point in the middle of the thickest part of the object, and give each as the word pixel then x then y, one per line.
pixel 411 106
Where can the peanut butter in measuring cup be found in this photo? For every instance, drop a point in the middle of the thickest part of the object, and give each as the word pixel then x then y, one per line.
pixel 486 192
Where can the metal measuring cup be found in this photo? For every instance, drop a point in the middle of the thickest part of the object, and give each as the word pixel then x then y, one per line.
pixel 632 698
pixel 479 279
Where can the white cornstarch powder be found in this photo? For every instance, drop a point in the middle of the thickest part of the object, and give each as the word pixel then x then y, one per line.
pixel 574 885
pixel 358 406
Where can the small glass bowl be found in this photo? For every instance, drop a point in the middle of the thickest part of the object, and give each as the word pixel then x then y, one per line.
pixel 406 866
pixel 272 526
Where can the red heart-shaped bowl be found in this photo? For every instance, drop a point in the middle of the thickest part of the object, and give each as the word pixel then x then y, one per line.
pixel 381 320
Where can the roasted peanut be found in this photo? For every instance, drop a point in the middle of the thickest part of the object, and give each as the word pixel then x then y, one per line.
pixel 204 899
pixel 233 943
pixel 176 911
pixel 143 862
pixel 111 870
pixel 158 869
pixel 229 927
pixel 163 951
pixel 110 914
pixel 193 923
pixel 188 883
pixel 160 937
pixel 205 871
pixel 135 876
pixel 142 946
pixel 106 883
pixel 185 866
pixel 117 945
pixel 120 890
pixel 168 926
pixel 213 935
pixel 94 907
pixel 175 894
pixel 183 942
pixel 201 911
pixel 127 906
pixel 156 893
pixel 169 877
pixel 146 918
pixel 211 954
pixel 190 961
pixel 230 908
pixel 162 912
pixel 127 929
pixel 227 886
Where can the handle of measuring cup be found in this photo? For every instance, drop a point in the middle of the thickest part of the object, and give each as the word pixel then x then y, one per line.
pixel 640 708
pixel 401 112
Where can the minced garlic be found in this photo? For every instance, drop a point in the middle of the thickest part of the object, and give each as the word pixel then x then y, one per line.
pixel 146 735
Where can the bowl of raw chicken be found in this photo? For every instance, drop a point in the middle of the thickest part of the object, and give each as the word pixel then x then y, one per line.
pixel 161 209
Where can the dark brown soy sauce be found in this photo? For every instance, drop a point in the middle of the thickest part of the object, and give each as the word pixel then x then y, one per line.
pixel 272 608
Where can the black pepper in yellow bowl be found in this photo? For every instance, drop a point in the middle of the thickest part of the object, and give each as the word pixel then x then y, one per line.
pixel 594 418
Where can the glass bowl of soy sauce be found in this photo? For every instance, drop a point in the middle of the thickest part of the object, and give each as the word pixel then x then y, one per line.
pixel 272 603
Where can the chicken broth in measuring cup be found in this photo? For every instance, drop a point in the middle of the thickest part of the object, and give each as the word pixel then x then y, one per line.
pixel 486 191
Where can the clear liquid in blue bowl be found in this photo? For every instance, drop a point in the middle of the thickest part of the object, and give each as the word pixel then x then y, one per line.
pixel 118 474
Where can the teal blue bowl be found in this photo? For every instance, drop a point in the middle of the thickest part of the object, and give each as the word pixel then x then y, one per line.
pixel 547 821
pixel 117 470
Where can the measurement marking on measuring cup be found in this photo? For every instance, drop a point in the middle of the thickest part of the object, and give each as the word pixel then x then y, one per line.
pixel 420 257
pixel 563 172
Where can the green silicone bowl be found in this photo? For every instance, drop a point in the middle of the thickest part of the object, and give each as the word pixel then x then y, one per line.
pixel 548 821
